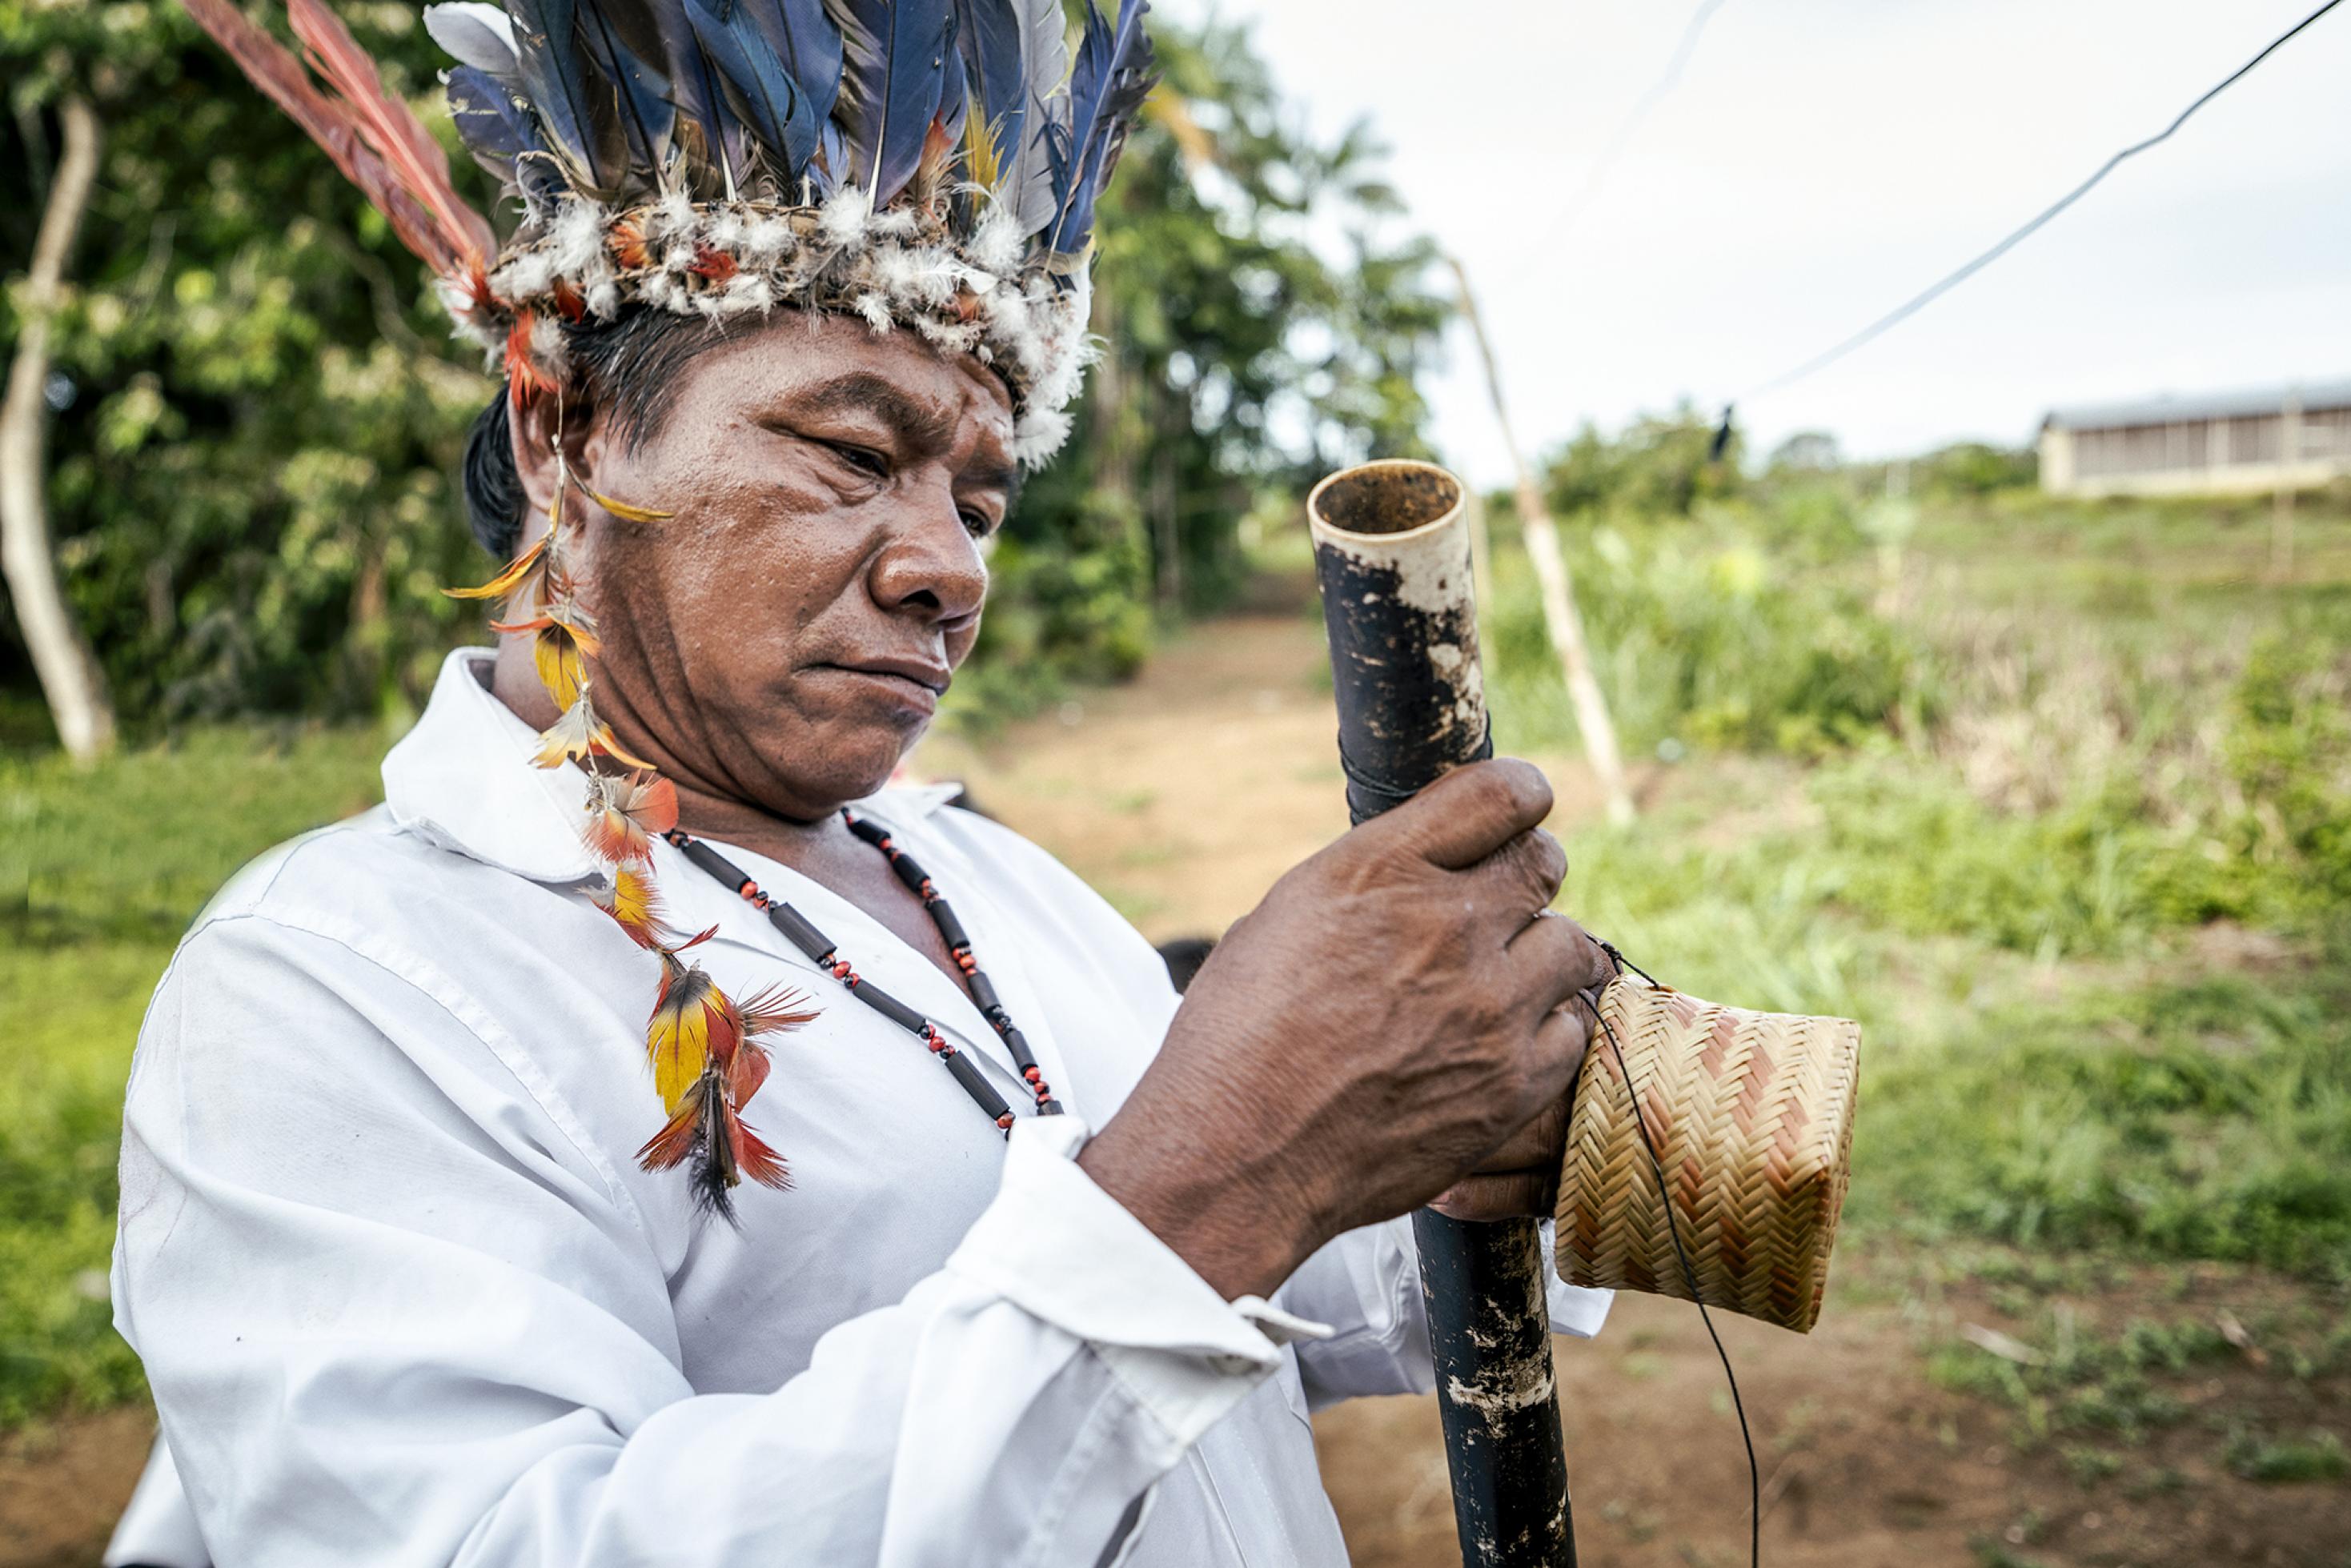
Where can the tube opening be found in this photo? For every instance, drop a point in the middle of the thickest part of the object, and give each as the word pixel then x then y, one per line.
pixel 1394 496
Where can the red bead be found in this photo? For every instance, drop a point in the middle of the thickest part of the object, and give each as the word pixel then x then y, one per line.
pixel 1005 1122
pixel 1033 1076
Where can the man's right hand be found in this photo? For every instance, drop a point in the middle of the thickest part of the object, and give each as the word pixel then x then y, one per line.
pixel 1390 1013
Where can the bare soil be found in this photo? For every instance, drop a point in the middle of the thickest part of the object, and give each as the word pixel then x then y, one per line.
pixel 1182 797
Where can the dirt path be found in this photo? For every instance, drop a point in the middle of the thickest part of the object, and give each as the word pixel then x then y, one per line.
pixel 1182 797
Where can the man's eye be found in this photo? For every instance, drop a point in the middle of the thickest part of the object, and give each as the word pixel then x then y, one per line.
pixel 976 523
pixel 864 460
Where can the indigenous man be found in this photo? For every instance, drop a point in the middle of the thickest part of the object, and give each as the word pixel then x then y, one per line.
pixel 645 1138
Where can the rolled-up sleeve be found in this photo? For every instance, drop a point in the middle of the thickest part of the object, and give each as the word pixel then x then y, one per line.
pixel 395 1314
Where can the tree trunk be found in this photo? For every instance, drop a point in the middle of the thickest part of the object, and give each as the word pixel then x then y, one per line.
pixel 61 656
pixel 1558 588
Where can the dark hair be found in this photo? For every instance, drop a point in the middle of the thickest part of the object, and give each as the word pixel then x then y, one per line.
pixel 628 368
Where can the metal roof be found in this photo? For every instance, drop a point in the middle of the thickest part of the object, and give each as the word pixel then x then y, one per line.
pixel 2169 408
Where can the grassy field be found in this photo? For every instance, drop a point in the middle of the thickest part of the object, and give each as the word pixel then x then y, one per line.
pixel 2056 800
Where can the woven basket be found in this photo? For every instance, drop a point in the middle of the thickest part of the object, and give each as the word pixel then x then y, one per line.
pixel 1753 1113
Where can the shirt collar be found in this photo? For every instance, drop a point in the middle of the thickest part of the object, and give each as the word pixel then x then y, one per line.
pixel 463 778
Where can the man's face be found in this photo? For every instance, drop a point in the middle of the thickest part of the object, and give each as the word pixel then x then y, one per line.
pixel 786 634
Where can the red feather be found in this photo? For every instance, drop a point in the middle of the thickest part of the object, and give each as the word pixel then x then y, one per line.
pixel 747 1072
pixel 374 139
pixel 399 137
pixel 754 1159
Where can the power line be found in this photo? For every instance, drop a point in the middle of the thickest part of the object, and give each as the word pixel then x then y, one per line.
pixel 1659 90
pixel 1921 300
pixel 1621 138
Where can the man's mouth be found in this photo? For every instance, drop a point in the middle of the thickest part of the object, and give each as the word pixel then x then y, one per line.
pixel 930 679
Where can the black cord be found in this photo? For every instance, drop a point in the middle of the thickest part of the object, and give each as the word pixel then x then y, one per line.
pixel 1689 1274
pixel 1919 302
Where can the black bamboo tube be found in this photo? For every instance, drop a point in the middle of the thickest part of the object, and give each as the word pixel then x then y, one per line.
pixel 1392 556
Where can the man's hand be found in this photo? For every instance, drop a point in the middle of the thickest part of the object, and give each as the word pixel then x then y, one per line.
pixel 1394 1022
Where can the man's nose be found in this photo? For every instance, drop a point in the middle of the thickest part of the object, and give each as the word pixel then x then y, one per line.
pixel 931 567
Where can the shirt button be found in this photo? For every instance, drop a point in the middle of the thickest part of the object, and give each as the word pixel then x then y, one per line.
pixel 1231 1365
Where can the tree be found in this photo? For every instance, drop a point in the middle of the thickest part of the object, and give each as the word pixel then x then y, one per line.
pixel 251 473
pixel 61 656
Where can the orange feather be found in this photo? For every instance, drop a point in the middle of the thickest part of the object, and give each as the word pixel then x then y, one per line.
pixel 524 568
pixel 373 142
pixel 625 813
pixel 398 137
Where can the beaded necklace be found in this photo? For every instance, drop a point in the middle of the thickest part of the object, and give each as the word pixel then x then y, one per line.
pixel 825 954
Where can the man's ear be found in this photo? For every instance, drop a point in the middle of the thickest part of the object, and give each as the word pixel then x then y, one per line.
pixel 537 426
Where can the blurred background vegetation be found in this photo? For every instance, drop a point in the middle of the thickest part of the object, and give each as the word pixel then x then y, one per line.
pixel 2054 796
pixel 259 413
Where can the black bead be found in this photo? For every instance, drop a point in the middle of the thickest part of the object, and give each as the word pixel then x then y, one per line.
pixel 983 995
pixel 967 1073
pixel 891 1008
pixel 798 932
pixel 949 926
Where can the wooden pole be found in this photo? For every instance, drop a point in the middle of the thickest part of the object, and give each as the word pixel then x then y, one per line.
pixel 1557 587
pixel 2282 508
pixel 1392 557
pixel 61 657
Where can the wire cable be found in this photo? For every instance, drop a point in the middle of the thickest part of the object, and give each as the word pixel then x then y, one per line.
pixel 1689 1273
pixel 1920 301
pixel 1659 90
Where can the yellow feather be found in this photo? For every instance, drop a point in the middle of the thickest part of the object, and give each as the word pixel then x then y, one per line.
pixel 509 581
pixel 620 509
pixel 562 662
pixel 677 1037
pixel 979 152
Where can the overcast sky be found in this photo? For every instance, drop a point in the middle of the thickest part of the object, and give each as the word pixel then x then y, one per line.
pixel 1823 159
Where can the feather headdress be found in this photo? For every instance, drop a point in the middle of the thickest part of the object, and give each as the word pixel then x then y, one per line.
pixel 929 165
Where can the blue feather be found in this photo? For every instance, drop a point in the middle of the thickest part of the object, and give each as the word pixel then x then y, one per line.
pixel 559 81
pixel 987 34
pixel 621 38
pixel 806 42
pixel 762 90
pixel 700 95
pixel 501 133
pixel 893 80
pixel 1108 83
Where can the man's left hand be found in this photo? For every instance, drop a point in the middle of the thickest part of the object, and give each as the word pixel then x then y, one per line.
pixel 1519 1180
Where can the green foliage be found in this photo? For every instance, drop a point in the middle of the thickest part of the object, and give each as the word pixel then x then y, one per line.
pixel 250 482
pixel 1662 466
pixel 1245 351
pixel 2290 749
pixel 254 479
pixel 2083 1383
pixel 1703 633
pixel 2319 1457
pixel 2210 1119
pixel 99 874
pixel 1973 469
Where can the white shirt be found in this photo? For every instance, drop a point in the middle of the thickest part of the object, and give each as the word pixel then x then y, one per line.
pixel 405 1296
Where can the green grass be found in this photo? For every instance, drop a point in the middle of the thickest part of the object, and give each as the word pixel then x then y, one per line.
pixel 100 873
pixel 2318 1458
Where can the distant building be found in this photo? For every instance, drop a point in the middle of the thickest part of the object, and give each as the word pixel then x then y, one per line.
pixel 2223 443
